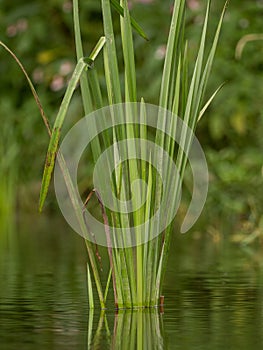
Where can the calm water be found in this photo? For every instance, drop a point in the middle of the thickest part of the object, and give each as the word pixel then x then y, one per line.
pixel 213 296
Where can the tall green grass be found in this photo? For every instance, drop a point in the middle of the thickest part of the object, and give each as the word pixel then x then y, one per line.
pixel 136 273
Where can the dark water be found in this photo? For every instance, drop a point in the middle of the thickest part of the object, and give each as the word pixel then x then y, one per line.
pixel 213 296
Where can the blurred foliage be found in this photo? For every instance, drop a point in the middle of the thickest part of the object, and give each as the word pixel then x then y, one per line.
pixel 41 34
pixel 232 130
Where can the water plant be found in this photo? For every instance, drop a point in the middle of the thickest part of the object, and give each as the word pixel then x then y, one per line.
pixel 136 269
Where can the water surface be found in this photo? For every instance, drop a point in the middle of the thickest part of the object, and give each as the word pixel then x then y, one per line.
pixel 213 295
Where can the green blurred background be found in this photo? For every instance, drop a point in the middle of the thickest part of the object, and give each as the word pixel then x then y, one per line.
pixel 40 32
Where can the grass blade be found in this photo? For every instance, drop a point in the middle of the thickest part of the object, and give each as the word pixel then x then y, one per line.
pixel 33 90
pixel 203 110
pixel 210 60
pixel 55 136
pixel 134 24
pixel 85 91
pixel 90 292
pixel 110 57
pixel 128 55
pixel 170 59
pixel 107 285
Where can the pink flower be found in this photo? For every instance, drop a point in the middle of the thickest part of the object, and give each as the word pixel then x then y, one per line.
pixel 193 4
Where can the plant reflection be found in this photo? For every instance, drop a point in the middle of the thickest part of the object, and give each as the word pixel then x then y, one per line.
pixel 130 329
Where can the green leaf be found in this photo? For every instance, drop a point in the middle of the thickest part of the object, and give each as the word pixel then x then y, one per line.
pixel 135 25
pixel 55 136
pixel 90 292
pixel 203 110
pixel 31 85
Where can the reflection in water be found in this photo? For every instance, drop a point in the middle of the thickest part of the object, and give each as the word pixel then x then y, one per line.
pixel 132 330
pixel 213 297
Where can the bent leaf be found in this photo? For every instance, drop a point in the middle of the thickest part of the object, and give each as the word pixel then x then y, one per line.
pixel 31 85
pixel 54 140
pixel 134 24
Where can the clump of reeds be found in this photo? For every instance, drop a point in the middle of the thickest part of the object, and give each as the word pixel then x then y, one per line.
pixel 137 271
